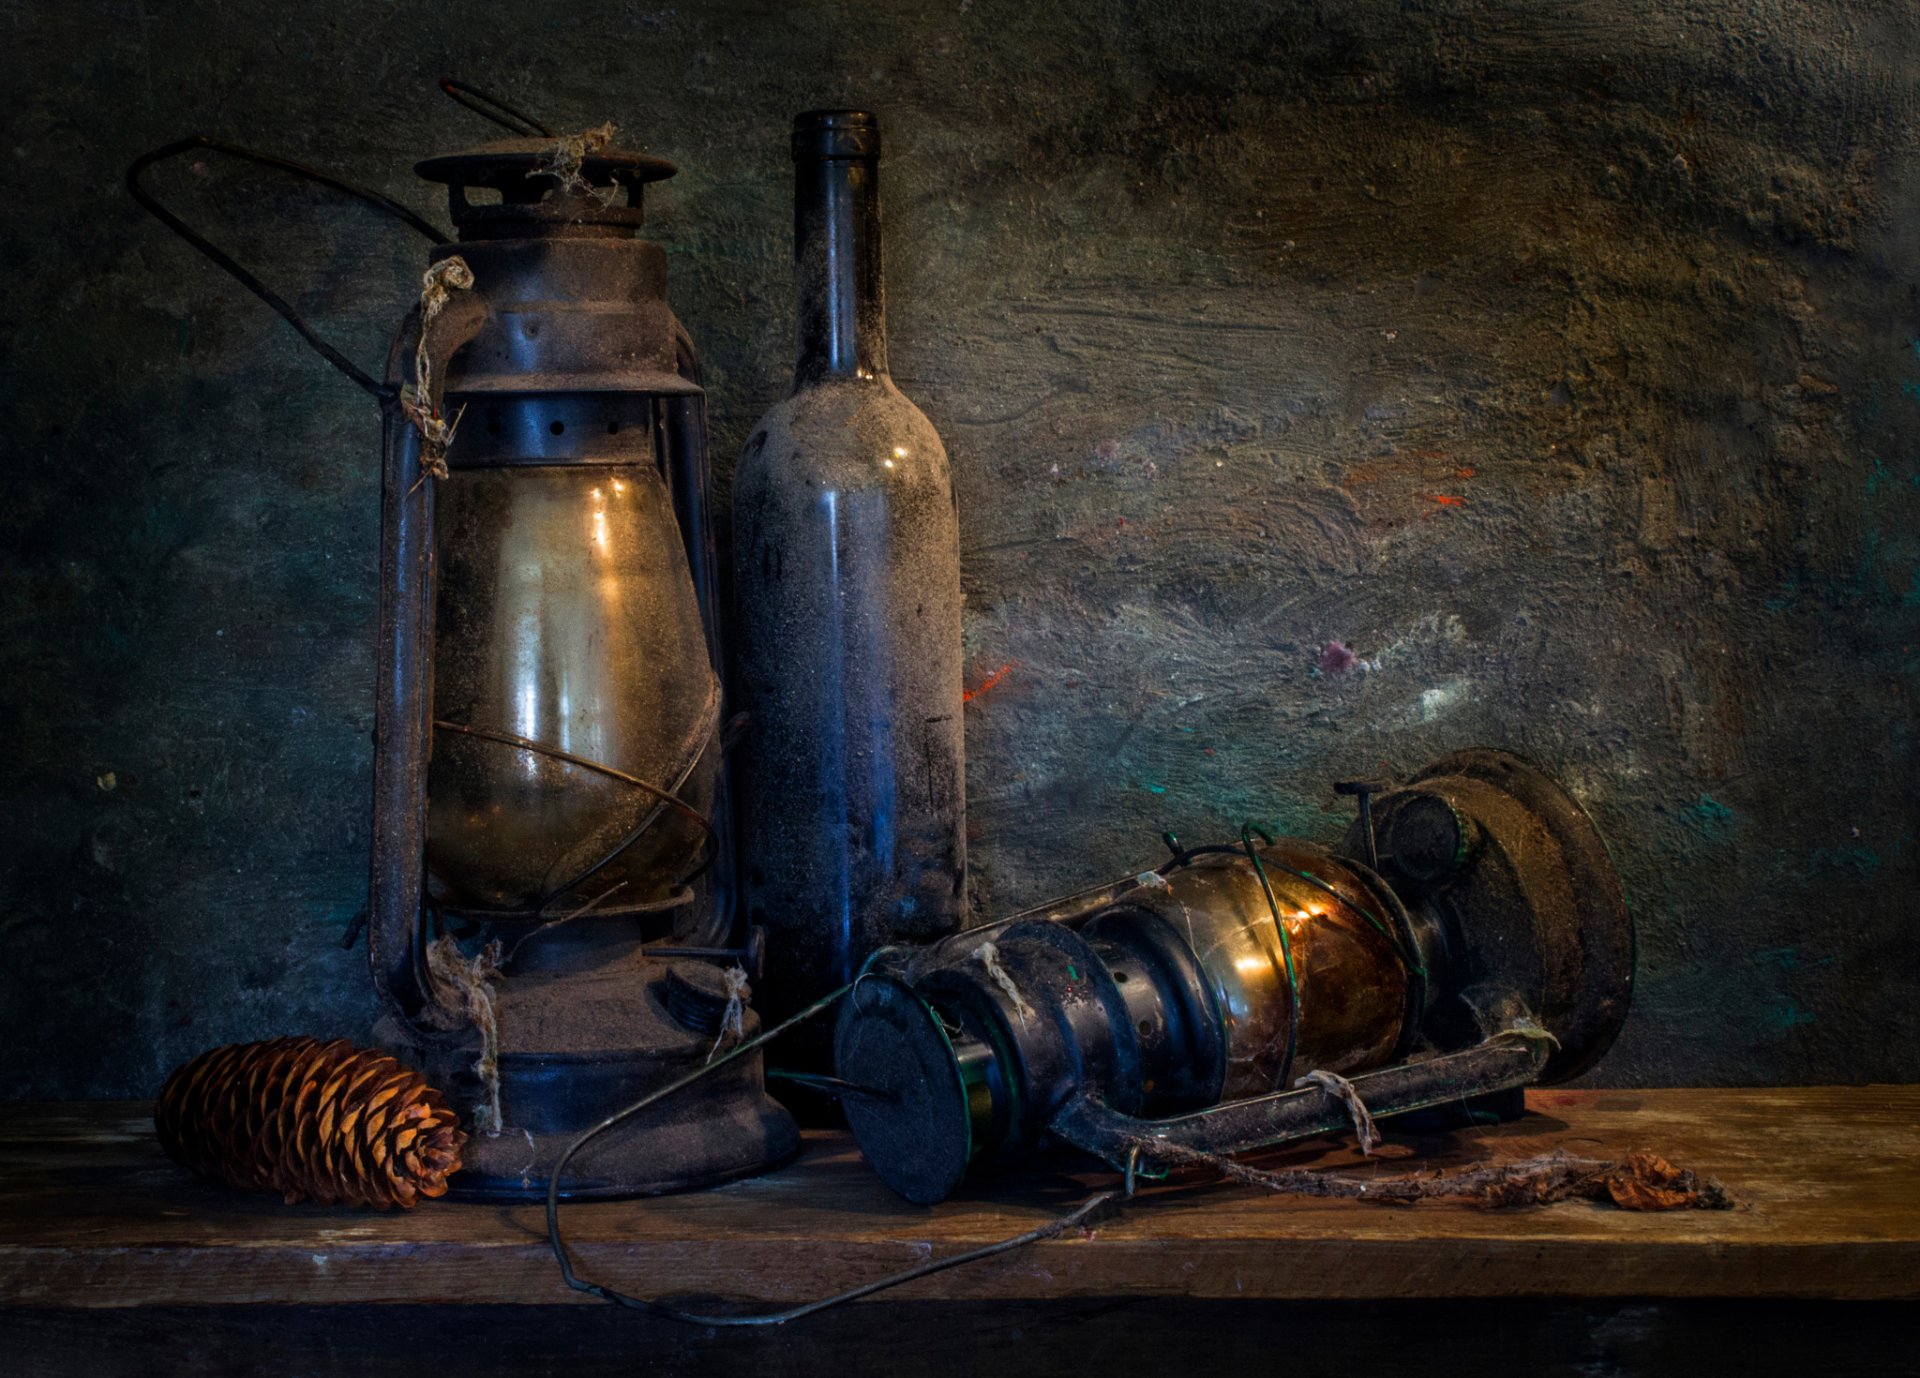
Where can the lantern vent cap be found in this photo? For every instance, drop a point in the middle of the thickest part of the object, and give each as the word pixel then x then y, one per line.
pixel 539 186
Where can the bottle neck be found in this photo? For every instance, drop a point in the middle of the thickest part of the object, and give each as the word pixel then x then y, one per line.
pixel 836 250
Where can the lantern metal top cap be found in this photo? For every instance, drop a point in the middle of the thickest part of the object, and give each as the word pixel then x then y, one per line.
pixel 836 134
pixel 546 186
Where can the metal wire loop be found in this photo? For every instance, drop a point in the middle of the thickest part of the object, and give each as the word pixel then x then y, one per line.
pixel 663 799
pixel 137 189
pixel 1052 1228
pixel 490 107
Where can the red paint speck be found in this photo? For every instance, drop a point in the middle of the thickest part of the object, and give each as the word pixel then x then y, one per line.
pixel 1447 500
pixel 1336 658
pixel 986 685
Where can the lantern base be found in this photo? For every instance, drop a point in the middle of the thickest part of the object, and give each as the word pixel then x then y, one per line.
pixel 576 1047
pixel 716 1136
pixel 1514 875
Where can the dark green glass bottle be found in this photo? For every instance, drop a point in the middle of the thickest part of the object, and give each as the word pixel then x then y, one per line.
pixel 847 590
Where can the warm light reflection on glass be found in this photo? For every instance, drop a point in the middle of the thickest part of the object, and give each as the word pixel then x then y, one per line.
pixel 529 724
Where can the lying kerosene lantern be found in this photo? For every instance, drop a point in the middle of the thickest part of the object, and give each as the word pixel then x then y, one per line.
pixel 1469 938
pixel 547 771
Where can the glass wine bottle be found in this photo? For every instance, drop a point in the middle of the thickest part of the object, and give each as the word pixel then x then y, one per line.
pixel 847 585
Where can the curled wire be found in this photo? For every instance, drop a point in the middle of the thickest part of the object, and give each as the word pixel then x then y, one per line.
pixel 490 107
pixel 1052 1228
pixel 137 189
pixel 663 799
pixel 1247 831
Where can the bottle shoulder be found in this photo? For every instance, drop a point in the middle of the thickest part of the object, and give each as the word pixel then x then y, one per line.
pixel 845 434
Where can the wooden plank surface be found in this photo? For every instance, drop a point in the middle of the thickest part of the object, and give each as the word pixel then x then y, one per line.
pixel 93 1215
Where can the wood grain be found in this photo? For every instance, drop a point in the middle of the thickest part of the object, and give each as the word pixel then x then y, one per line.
pixel 1214 304
pixel 92 1215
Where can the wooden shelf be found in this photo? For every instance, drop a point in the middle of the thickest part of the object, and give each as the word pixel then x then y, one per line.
pixel 92 1215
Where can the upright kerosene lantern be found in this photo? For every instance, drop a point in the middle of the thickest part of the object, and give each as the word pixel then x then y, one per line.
pixel 550 875
pixel 549 711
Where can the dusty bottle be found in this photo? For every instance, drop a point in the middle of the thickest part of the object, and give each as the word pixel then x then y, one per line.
pixel 847 585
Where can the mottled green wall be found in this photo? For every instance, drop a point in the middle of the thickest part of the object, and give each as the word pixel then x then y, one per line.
pixel 1557 361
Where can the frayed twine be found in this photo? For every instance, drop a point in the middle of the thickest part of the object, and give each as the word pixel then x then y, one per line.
pixel 416 398
pixel 989 957
pixel 1348 1095
pixel 1641 1181
pixel 533 1156
pixel 1520 1026
pixel 566 158
pixel 1343 1091
pixel 463 995
pixel 733 1019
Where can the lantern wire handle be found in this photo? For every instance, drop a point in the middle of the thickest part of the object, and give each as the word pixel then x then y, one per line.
pixel 490 107
pixel 137 189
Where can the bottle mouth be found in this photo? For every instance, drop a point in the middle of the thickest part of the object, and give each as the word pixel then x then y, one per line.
pixel 836 134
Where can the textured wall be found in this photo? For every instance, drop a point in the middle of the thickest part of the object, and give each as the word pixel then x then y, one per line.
pixel 1557 362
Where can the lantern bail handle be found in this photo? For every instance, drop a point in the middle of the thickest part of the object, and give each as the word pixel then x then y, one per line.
pixel 139 191
pixel 490 107
pixel 1514 1057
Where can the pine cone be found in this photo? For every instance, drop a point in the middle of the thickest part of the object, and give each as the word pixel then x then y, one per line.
pixel 323 1121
